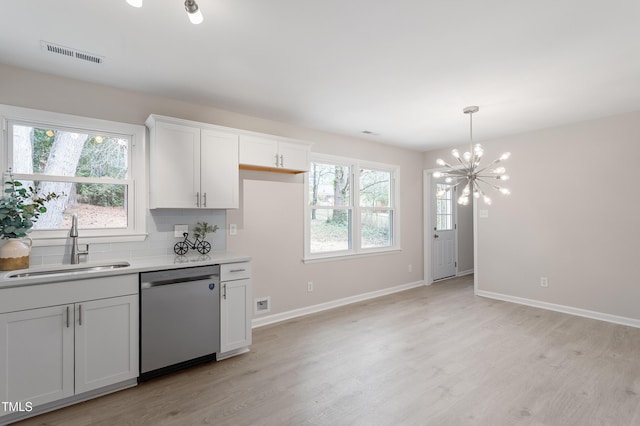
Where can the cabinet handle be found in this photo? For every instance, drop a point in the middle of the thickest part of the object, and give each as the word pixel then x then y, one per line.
pixel 237 270
pixel 79 314
pixel 281 160
pixel 276 160
pixel 205 200
pixel 197 199
pixel 67 317
pixel 224 293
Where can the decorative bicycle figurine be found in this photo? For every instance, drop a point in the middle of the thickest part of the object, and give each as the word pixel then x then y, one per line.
pixel 200 231
pixel 183 247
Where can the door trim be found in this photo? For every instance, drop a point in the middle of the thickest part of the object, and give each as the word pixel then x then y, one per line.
pixel 427 224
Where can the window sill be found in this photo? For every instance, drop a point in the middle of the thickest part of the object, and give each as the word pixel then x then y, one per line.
pixel 347 256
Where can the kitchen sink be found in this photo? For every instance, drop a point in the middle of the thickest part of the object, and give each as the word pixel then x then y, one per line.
pixel 68 269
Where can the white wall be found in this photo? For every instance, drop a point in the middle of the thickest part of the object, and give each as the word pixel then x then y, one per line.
pixel 270 217
pixel 572 217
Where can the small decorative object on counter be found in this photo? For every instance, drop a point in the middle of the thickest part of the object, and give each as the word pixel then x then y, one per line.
pixel 200 231
pixel 19 209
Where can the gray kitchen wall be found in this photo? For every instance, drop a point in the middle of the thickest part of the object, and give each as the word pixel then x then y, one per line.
pixel 572 217
pixel 270 217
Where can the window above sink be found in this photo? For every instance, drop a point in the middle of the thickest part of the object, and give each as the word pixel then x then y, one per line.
pixel 98 165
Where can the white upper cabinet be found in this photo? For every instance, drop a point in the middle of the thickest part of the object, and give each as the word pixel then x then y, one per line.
pixel 265 153
pixel 191 165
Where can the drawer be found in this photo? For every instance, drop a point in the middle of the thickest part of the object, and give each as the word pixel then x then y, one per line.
pixel 235 271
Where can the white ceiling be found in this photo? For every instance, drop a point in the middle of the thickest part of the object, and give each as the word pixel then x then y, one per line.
pixel 403 69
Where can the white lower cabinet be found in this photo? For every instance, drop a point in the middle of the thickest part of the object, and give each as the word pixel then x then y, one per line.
pixel 37 359
pixel 53 353
pixel 106 342
pixel 235 306
pixel 98 338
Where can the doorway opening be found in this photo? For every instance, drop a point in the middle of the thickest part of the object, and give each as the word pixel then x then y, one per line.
pixel 449 237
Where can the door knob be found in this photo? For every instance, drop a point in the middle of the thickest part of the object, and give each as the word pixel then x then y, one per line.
pixel 435 236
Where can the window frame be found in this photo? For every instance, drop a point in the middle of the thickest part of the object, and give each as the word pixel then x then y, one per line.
pixel 135 182
pixel 356 210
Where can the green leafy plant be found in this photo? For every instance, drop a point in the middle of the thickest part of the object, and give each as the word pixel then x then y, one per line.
pixel 202 228
pixel 20 208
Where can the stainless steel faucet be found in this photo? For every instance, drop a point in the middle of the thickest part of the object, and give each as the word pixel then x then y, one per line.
pixel 73 233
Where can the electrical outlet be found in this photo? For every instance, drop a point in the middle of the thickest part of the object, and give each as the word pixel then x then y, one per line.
pixel 544 282
pixel 410 268
pixel 310 286
pixel 233 229
pixel 179 230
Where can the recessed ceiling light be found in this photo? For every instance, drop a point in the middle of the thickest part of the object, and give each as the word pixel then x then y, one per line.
pixel 369 132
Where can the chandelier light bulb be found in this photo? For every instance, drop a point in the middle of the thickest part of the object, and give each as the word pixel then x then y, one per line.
pixel 440 162
pixel 503 177
pixel 193 11
pixel 466 156
pixel 505 156
pixel 448 180
pixel 463 200
pixel 505 191
pixel 455 153
pixel 437 175
pixel 487 200
pixel 499 170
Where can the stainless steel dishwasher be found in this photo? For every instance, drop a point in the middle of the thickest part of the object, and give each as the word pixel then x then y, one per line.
pixel 179 318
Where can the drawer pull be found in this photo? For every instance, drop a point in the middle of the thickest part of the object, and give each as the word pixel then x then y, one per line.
pixel 237 270
pixel 67 316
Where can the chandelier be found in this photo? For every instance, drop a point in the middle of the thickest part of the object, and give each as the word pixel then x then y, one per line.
pixel 193 11
pixel 471 174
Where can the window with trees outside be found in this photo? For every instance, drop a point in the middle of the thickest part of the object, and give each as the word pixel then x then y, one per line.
pixel 88 163
pixel 351 208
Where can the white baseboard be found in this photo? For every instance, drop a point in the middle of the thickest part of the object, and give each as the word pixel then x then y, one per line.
pixel 283 316
pixel 632 322
pixel 463 273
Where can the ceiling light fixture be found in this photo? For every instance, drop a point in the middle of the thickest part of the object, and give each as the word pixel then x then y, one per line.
pixel 195 16
pixel 193 11
pixel 470 172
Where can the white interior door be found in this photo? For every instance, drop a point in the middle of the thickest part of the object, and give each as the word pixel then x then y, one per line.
pixel 444 231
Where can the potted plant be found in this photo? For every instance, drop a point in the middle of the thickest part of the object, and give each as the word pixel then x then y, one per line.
pixel 202 229
pixel 20 208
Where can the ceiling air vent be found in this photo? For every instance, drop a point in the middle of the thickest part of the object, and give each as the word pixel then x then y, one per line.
pixel 72 53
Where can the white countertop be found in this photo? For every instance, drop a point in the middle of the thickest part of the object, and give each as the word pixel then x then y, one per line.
pixel 67 272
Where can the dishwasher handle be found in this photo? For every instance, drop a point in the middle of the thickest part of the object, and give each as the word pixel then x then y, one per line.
pixel 150 284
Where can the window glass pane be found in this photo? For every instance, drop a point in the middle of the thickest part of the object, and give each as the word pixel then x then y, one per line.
pixel 58 152
pixel 444 207
pixel 98 206
pixel 375 188
pixel 329 185
pixel 330 230
pixel 376 229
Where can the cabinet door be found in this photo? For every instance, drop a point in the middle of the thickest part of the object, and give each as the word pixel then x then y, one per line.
pixel 235 315
pixel 219 180
pixel 36 363
pixel 260 152
pixel 106 342
pixel 174 166
pixel 294 156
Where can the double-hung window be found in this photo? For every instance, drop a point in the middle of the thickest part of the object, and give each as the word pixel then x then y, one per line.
pixel 95 167
pixel 351 207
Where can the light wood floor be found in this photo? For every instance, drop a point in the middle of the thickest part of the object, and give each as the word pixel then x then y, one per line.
pixel 433 355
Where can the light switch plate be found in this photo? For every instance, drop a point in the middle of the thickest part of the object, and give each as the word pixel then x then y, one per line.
pixel 179 230
pixel 233 229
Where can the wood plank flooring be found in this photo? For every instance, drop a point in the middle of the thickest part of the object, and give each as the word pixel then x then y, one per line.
pixel 434 355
